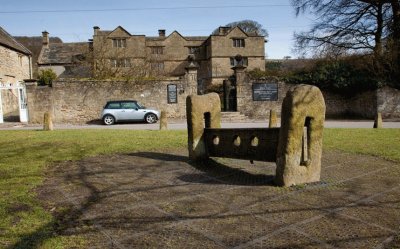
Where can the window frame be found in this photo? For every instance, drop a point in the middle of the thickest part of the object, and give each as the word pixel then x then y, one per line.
pixel 157 50
pixel 120 62
pixel 118 42
pixel 238 42
pixel 112 103
pixel 157 65
pixel 134 105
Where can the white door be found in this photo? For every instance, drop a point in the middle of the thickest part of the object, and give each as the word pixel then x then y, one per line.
pixel 1 108
pixel 23 112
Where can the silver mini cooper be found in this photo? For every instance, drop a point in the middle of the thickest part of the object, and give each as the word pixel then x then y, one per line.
pixel 127 110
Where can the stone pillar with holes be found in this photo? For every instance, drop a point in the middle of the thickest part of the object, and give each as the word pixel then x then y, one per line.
pixel 202 111
pixel 298 157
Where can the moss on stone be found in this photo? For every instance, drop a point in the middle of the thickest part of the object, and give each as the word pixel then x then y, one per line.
pixel 163 121
pixel 273 120
pixel 201 111
pixel 378 121
pixel 47 122
pixel 303 106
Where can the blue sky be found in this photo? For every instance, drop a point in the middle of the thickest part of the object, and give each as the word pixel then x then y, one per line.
pixel 188 17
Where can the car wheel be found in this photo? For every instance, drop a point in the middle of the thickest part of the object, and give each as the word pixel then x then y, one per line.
pixel 150 118
pixel 108 120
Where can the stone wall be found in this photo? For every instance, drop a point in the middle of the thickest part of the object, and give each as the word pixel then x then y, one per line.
pixel 388 102
pixel 363 105
pixel 9 98
pixel 14 67
pixel 77 101
pixel 259 109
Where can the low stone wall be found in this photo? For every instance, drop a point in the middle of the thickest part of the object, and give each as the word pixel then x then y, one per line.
pixel 363 105
pixel 388 101
pixel 77 101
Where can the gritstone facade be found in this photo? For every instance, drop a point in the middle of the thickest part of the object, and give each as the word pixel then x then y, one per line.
pixel 122 52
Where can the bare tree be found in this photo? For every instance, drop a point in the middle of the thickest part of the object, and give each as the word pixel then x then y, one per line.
pixel 248 26
pixel 352 25
pixel 118 64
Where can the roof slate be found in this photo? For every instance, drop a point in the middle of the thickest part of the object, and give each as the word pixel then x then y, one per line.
pixel 7 40
pixel 62 53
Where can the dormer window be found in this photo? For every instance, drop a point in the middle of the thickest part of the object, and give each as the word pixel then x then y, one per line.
pixel 119 43
pixel 238 43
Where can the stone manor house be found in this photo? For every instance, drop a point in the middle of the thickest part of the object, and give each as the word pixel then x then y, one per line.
pixel 214 55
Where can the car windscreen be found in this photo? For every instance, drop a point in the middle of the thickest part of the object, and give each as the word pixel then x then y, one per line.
pixel 140 105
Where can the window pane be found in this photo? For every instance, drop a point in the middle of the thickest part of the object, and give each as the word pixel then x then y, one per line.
pixel 238 43
pixel 113 106
pixel 128 105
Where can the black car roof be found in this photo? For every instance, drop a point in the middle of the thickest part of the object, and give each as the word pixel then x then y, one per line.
pixel 117 101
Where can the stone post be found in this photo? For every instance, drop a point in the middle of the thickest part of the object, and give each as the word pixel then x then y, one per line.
pixel 163 121
pixel 191 77
pixel 202 111
pixel 272 119
pixel 378 121
pixel 47 122
pixel 240 77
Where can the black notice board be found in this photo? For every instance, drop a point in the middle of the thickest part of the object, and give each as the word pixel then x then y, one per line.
pixel 172 94
pixel 265 91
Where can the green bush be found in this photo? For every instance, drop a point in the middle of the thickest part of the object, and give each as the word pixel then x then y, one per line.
pixel 46 77
pixel 347 76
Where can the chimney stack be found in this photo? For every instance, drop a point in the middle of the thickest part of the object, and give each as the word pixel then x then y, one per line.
pixel 90 42
pixel 45 41
pixel 223 30
pixel 161 32
pixel 96 29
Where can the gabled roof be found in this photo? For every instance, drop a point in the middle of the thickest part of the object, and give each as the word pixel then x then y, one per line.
pixel 175 33
pixel 120 28
pixel 8 41
pixel 62 53
pixel 187 38
pixel 239 28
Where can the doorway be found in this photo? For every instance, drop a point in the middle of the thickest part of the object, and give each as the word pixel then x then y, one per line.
pixel 13 105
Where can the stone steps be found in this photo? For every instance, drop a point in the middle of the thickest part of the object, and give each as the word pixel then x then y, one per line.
pixel 233 117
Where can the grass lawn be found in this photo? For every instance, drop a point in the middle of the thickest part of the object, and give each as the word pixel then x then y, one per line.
pixel 25 155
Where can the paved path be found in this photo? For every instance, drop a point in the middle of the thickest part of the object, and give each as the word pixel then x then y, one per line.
pixel 160 200
pixel 181 125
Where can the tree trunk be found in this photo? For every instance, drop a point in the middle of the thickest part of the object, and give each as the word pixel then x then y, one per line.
pixel 379 30
pixel 396 31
